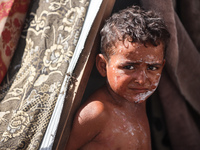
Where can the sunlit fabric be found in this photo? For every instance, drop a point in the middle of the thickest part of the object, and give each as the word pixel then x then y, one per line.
pixel 30 89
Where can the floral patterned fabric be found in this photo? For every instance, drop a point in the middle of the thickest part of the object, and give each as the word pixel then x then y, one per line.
pixel 30 90
pixel 12 15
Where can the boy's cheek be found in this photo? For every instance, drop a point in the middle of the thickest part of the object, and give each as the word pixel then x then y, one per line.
pixel 117 82
pixel 155 83
pixel 118 71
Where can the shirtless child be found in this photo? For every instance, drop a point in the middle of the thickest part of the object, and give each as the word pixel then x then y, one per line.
pixel 132 58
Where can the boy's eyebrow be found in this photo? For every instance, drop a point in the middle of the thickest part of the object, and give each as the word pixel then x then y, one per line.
pixel 133 63
pixel 138 62
pixel 130 63
pixel 156 64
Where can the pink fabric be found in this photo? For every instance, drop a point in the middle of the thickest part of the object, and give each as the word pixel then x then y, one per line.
pixel 12 15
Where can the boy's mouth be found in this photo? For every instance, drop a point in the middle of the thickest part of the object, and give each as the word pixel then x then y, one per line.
pixel 140 90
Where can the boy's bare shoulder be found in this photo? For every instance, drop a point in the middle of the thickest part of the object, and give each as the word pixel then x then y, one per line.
pixel 95 108
pixel 89 121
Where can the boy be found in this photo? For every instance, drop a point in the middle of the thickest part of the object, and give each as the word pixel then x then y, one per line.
pixel 132 59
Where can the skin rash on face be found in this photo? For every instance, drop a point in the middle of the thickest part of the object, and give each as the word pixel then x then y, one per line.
pixel 134 70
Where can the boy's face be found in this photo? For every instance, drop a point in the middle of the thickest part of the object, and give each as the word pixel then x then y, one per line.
pixel 133 72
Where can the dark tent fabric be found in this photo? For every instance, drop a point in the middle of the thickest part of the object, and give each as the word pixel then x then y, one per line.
pixel 179 87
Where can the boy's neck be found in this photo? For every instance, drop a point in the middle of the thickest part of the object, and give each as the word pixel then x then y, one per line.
pixel 122 102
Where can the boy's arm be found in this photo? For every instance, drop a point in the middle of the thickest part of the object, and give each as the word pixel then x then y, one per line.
pixel 87 124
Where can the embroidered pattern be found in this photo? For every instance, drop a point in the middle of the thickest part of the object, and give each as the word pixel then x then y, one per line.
pixel 50 35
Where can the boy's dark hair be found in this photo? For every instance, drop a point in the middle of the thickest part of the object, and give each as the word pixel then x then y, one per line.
pixel 135 25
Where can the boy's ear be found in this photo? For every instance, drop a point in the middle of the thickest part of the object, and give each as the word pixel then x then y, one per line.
pixel 101 64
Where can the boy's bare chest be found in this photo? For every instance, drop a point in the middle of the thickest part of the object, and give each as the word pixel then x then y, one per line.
pixel 124 135
pixel 121 132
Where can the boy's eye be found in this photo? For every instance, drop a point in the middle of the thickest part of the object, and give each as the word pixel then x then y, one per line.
pixel 152 68
pixel 129 67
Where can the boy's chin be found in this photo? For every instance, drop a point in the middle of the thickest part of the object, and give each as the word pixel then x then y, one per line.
pixel 142 97
pixel 136 100
pixel 139 98
pixel 140 101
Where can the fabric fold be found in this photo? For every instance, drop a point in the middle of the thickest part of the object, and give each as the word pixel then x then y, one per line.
pixel 46 46
pixel 180 83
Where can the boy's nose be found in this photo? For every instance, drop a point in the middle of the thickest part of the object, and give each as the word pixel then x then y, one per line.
pixel 141 78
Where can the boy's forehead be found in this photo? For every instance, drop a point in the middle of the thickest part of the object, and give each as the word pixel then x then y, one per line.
pixel 139 50
pixel 134 47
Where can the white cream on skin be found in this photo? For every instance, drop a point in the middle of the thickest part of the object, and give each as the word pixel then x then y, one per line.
pixel 143 96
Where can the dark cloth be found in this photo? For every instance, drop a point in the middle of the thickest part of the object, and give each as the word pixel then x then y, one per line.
pixel 180 83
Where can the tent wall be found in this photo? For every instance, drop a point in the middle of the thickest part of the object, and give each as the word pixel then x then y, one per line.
pixel 82 74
